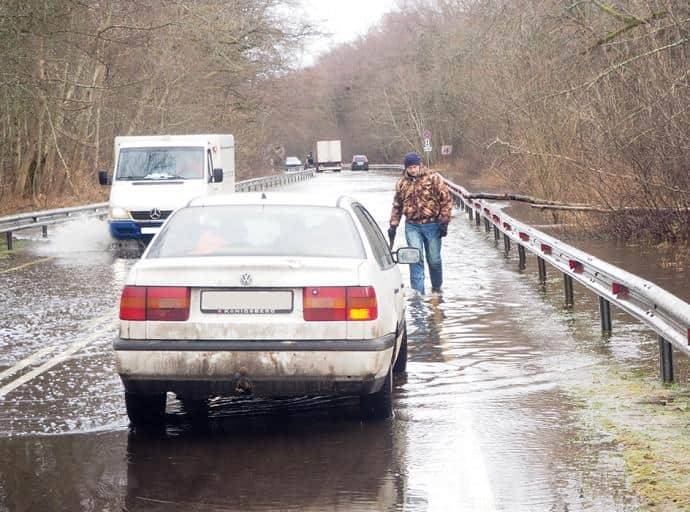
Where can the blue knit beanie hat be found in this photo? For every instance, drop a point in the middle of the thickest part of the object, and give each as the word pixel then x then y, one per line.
pixel 412 158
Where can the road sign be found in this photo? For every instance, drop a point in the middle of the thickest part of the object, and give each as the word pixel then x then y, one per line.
pixel 426 134
pixel 446 150
pixel 427 145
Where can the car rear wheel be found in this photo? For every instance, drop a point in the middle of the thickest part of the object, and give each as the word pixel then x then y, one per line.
pixel 145 408
pixel 379 405
pixel 401 361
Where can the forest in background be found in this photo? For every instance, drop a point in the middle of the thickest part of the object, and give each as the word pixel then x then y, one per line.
pixel 582 101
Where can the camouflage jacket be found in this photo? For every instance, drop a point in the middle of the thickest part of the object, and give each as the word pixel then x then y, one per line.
pixel 422 199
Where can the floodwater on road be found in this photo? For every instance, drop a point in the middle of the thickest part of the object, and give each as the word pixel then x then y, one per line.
pixel 485 418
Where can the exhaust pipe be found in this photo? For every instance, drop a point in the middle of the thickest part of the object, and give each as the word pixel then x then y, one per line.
pixel 243 385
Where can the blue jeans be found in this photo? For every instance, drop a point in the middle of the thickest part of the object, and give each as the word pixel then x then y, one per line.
pixel 426 238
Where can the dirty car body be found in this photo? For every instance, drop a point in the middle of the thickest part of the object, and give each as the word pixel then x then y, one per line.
pixel 273 295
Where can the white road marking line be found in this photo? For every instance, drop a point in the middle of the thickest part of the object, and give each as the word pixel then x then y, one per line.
pixel 55 360
pixel 28 361
pixel 7 271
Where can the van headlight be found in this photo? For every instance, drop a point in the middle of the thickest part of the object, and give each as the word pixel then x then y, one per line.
pixel 117 212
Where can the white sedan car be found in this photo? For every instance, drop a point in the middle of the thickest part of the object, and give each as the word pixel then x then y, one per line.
pixel 267 294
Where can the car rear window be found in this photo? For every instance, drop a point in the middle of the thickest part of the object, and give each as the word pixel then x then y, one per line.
pixel 259 230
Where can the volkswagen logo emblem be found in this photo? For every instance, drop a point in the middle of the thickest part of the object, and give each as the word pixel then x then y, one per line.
pixel 246 279
pixel 155 214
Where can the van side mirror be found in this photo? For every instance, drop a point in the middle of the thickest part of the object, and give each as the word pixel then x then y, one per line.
pixel 217 175
pixel 103 178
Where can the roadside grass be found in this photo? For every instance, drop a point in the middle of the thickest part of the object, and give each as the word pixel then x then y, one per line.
pixel 18 245
pixel 650 424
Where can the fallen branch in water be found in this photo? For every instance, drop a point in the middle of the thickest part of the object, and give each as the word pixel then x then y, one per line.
pixel 545 204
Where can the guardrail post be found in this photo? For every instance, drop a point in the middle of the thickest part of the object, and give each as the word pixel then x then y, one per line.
pixel 521 257
pixel 569 298
pixel 487 224
pixel 605 310
pixel 469 212
pixel 665 360
pixel 478 218
pixel 496 234
pixel 45 231
pixel 542 269
pixel 10 244
pixel 506 242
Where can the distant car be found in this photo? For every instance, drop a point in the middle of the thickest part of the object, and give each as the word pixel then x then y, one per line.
pixel 270 295
pixel 360 163
pixel 292 163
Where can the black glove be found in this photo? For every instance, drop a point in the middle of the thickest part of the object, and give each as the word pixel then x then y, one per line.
pixel 391 234
pixel 443 230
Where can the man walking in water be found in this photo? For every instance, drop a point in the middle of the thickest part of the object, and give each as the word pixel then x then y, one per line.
pixel 424 199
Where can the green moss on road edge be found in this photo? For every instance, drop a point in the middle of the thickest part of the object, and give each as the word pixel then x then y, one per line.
pixel 650 423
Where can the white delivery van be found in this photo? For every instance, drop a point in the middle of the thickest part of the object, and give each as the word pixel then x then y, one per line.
pixel 155 175
pixel 328 156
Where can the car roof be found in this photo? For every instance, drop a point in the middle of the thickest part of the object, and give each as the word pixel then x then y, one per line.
pixel 273 198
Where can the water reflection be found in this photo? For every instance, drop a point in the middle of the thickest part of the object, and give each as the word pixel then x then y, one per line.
pixel 275 460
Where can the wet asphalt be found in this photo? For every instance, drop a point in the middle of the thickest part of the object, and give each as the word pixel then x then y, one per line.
pixel 485 418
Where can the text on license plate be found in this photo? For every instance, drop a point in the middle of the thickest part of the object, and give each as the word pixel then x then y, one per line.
pixel 246 302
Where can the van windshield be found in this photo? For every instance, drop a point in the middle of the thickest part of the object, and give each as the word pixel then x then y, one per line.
pixel 160 163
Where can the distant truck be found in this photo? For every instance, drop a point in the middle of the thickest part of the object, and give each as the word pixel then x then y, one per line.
pixel 328 156
pixel 155 175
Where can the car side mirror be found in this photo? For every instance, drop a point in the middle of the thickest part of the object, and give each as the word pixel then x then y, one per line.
pixel 407 255
pixel 103 178
pixel 217 175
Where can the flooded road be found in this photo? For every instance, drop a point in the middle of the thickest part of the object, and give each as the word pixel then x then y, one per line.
pixel 486 418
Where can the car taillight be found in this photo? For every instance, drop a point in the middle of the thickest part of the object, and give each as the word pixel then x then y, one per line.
pixel 339 303
pixel 155 303
pixel 325 303
pixel 361 303
pixel 167 304
pixel 133 303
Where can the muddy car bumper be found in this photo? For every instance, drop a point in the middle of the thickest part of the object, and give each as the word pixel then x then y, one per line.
pixel 266 368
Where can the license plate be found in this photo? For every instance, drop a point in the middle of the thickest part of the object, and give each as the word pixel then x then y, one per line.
pixel 246 302
pixel 149 231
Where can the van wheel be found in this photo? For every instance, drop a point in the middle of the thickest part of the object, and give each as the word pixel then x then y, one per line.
pixel 401 361
pixel 145 408
pixel 379 405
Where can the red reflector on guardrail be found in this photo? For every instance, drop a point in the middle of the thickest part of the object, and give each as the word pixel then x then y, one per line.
pixel 506 226
pixel 620 290
pixel 486 210
pixel 575 266
pixel 496 218
pixel 546 249
pixel 477 205
pixel 524 236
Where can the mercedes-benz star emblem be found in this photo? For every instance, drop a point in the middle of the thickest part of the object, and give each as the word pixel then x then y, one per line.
pixel 155 214
pixel 246 279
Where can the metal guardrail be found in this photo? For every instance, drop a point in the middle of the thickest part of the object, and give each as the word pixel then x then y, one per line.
pixel 661 311
pixel 45 218
pixel 273 181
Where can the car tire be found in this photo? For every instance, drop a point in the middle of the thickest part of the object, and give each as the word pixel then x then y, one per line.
pixel 145 408
pixel 401 362
pixel 379 405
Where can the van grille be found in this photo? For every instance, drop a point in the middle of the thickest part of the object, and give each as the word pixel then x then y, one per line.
pixel 146 215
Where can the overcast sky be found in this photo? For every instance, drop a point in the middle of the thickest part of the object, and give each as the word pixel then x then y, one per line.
pixel 344 19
